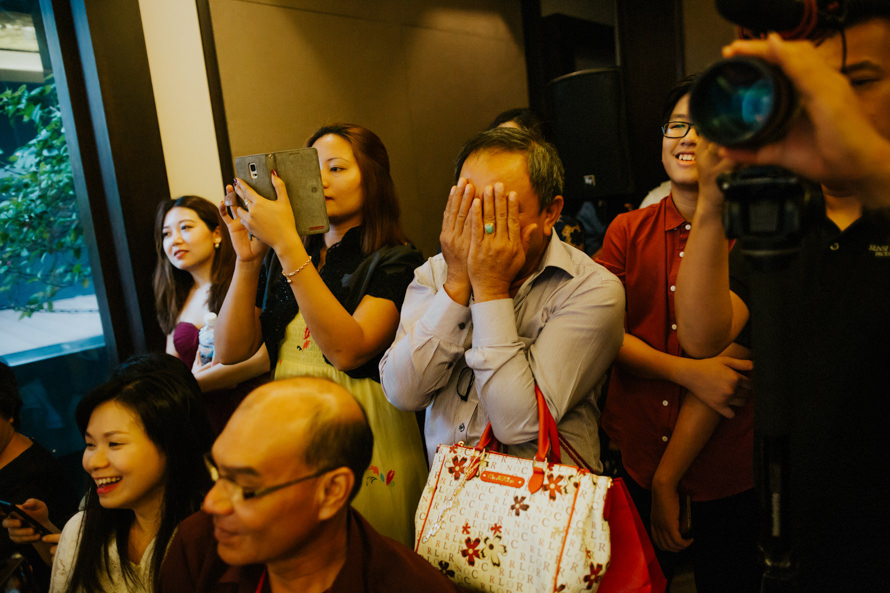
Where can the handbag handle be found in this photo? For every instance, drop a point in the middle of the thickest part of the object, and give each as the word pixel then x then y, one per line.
pixel 548 443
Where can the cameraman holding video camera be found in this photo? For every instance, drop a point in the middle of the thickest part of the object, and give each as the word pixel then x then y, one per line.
pixel 838 369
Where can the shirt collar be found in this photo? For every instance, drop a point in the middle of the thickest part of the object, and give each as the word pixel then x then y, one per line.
pixel 350 240
pixel 669 213
pixel 245 578
pixel 348 579
pixel 557 254
pixel 351 576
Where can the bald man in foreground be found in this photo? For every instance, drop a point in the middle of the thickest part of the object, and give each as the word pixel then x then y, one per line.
pixel 278 518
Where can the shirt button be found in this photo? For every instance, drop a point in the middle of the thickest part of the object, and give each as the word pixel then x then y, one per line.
pixel 835 246
pixel 673 288
pixel 665 404
pixel 461 427
pixel 664 439
pixel 461 325
pixel 688 226
pixel 682 253
pixel 674 326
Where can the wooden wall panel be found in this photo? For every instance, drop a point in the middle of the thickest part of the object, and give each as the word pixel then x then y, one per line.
pixel 423 75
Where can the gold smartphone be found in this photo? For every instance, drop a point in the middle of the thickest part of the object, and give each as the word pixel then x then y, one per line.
pixel 301 174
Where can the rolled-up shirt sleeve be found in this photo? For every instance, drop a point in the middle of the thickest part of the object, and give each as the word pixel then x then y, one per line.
pixel 578 333
pixel 471 365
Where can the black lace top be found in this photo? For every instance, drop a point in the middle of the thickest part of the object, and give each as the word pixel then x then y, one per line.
pixel 350 275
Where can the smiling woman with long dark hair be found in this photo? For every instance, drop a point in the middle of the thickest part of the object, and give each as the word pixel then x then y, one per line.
pixel 145 433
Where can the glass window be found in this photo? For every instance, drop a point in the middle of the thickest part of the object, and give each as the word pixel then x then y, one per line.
pixel 50 328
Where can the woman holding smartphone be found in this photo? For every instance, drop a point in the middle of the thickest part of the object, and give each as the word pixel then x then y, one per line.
pixel 328 305
pixel 27 472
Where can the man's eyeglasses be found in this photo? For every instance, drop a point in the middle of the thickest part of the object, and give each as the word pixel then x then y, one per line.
pixel 237 493
pixel 676 129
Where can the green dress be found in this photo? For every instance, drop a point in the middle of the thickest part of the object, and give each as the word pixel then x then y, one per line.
pixel 392 484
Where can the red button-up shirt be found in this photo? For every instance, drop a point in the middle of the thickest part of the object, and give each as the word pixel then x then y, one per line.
pixel 644 249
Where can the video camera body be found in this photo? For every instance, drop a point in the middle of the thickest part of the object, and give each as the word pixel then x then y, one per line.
pixel 748 102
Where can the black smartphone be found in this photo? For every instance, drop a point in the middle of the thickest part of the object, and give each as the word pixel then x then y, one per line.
pixel 10 510
pixel 299 169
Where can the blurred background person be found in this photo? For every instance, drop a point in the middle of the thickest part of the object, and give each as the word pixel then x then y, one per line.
pixel 195 262
pixel 677 453
pixel 27 472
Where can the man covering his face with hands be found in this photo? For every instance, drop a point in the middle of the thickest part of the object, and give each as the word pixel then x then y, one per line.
pixel 505 306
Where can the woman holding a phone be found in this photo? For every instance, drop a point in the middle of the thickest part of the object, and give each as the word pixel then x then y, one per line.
pixel 28 474
pixel 328 305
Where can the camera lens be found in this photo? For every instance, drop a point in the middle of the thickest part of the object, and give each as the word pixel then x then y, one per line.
pixel 742 102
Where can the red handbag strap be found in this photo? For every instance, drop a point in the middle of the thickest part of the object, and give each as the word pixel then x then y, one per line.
pixel 574 455
pixel 548 441
pixel 487 440
pixel 548 435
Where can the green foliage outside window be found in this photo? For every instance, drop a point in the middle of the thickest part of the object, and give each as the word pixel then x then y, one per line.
pixel 41 241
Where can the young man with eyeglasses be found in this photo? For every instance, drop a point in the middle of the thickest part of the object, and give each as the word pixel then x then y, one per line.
pixel 675 450
pixel 278 517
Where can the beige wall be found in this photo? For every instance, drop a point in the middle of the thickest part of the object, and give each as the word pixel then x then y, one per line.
pixel 182 99
pixel 705 33
pixel 424 75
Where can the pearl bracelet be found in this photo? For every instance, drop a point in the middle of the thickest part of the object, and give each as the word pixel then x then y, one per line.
pixel 289 278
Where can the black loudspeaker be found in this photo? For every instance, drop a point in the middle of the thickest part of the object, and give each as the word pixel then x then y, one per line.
pixel 590 132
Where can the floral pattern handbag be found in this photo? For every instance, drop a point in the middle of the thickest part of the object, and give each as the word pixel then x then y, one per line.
pixel 494 522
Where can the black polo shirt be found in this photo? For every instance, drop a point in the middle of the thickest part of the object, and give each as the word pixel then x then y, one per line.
pixel 838 361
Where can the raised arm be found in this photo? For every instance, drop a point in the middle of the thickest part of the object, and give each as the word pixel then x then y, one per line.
pixel 709 315
pixel 238 334
pixel 567 359
pixel 347 340
pixel 432 336
pixel 435 320
pixel 570 354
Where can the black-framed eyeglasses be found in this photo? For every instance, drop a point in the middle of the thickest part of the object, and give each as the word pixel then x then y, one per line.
pixel 236 492
pixel 676 129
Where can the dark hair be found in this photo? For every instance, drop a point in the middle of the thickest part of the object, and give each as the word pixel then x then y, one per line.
pixel 678 91
pixel 860 11
pixel 380 206
pixel 338 442
pixel 172 285
pixel 523 117
pixel 168 404
pixel 10 400
pixel 545 171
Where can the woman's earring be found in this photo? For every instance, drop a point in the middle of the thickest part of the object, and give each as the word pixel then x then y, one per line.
pixel 216 244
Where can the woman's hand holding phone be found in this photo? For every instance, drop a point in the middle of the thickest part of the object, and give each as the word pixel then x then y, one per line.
pixel 270 221
pixel 29 523
pixel 247 248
